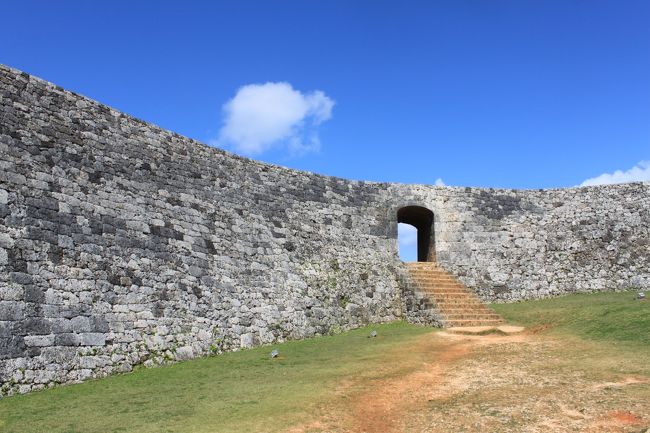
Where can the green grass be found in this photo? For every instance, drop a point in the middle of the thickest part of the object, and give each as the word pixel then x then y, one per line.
pixel 603 317
pixel 245 391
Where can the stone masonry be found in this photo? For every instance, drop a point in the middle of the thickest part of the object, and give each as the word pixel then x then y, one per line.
pixel 124 244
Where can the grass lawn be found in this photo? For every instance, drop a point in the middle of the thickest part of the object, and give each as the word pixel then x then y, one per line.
pixel 244 391
pixel 609 316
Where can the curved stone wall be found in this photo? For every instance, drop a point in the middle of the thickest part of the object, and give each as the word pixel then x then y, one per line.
pixel 122 243
pixel 510 245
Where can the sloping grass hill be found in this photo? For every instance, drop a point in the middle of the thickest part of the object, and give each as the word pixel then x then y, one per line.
pixel 609 316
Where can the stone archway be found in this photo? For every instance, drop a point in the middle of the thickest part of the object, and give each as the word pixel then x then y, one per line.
pixel 422 219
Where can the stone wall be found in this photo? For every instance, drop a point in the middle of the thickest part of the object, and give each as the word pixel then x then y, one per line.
pixel 510 245
pixel 123 244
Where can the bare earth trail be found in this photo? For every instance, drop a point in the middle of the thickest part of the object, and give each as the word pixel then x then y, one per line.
pixel 526 382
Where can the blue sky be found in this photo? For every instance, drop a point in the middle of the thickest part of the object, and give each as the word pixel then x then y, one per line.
pixel 515 94
pixel 522 94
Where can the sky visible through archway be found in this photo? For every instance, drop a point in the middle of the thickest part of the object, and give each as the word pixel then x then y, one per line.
pixel 407 240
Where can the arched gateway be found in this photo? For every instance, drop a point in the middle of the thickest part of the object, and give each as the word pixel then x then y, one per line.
pixel 422 219
pixel 454 303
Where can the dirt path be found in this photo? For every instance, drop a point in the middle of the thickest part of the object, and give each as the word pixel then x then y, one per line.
pixel 519 383
pixel 382 407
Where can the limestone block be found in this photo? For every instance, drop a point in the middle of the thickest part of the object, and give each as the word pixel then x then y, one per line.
pixel 246 341
pixel 92 339
pixel 11 310
pixel 184 352
pixel 39 340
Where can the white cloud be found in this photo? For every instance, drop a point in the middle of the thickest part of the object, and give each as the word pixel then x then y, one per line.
pixel 407 236
pixel 271 115
pixel 638 173
pixel 439 182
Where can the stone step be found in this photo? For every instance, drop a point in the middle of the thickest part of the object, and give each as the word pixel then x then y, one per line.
pixel 429 274
pixel 462 322
pixel 436 283
pixel 459 305
pixel 439 282
pixel 423 269
pixel 450 292
pixel 433 288
pixel 470 300
pixel 453 299
pixel 469 310
pixel 434 277
pixel 472 309
pixel 471 316
pixel 441 285
pixel 445 290
pixel 443 296
pixel 441 289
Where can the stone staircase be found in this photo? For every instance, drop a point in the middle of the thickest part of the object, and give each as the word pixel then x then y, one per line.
pixel 457 305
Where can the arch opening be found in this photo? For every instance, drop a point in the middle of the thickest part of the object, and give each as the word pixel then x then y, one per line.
pixel 422 219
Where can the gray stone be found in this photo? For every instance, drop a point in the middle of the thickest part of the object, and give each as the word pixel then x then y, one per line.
pixel 12 293
pixel 6 329
pixel 11 310
pixel 39 340
pixel 246 341
pixel 185 352
pixel 33 326
pixel 92 339
pixel 21 278
pixel 6 241
pixel 34 294
pixel 80 324
pixel 67 339
pixel 12 348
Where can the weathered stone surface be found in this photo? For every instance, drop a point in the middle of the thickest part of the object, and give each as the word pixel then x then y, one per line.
pixel 92 339
pixel 122 243
pixel 185 352
pixel 67 339
pixel 11 310
pixel 39 340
